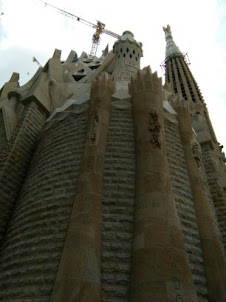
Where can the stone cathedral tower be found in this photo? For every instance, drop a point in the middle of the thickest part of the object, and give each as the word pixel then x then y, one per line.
pixel 112 186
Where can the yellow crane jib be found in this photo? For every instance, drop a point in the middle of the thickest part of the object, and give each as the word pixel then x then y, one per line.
pixel 100 27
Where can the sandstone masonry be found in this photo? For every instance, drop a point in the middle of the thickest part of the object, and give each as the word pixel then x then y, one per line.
pixel 112 185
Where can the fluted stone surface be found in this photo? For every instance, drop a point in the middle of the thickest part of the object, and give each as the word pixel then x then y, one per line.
pixel 15 159
pixel 3 139
pixel 184 202
pixel 160 268
pixel 208 228
pixel 79 274
pixel 216 189
pixel 104 196
pixel 32 248
pixel 118 207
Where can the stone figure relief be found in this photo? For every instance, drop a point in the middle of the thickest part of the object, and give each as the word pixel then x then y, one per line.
pixel 124 75
pixel 195 106
pixel 93 132
pixel 154 128
pixel 167 31
pixel 196 153
pixel 125 63
pixel 128 69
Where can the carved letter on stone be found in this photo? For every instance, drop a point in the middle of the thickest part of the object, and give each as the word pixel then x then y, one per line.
pixel 154 128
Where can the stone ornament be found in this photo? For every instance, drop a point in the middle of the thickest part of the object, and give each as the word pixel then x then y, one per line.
pixel 171 47
pixel 94 130
pixel 167 31
pixel 145 80
pixel 154 128
pixel 196 153
pixel 196 106
pixel 102 86
pixel 178 102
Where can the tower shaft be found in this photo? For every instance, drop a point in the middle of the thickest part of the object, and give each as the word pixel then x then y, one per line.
pixel 181 78
pixel 208 156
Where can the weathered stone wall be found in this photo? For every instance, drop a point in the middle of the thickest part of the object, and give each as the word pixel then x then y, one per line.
pixel 216 190
pixel 185 207
pixel 118 206
pixel 79 273
pixel 3 139
pixel 15 158
pixel 34 242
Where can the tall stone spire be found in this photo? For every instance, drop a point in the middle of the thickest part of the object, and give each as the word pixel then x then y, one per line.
pixel 171 47
pixel 201 143
pixel 178 72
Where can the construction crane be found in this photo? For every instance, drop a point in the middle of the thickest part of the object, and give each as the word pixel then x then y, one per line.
pixel 100 27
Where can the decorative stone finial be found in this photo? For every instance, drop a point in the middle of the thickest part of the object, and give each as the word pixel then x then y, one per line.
pixel 15 77
pixel 167 31
pixel 128 35
pixel 145 80
pixel 171 47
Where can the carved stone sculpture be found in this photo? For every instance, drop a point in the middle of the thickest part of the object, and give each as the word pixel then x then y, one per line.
pixel 154 128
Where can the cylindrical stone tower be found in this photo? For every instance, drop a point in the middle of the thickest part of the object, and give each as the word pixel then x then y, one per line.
pixel 127 57
pixel 103 192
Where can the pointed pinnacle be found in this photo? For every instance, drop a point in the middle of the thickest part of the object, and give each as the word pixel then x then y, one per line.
pixel 147 69
pixel 155 76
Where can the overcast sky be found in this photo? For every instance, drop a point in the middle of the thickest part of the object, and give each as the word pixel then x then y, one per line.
pixel 29 29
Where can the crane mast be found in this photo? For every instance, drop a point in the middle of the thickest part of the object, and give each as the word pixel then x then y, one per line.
pixel 100 27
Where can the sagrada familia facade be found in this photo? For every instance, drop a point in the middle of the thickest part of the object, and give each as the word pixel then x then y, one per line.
pixel 112 185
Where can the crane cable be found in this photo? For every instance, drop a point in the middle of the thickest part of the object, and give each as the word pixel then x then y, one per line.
pixel 100 27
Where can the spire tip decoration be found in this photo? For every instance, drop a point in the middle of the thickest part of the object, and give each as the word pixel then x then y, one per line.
pixel 171 47
pixel 167 31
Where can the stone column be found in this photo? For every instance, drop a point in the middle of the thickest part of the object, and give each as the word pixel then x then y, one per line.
pixel 216 176
pixel 160 268
pixel 209 124
pixel 10 112
pixel 15 158
pixel 79 272
pixel 213 255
